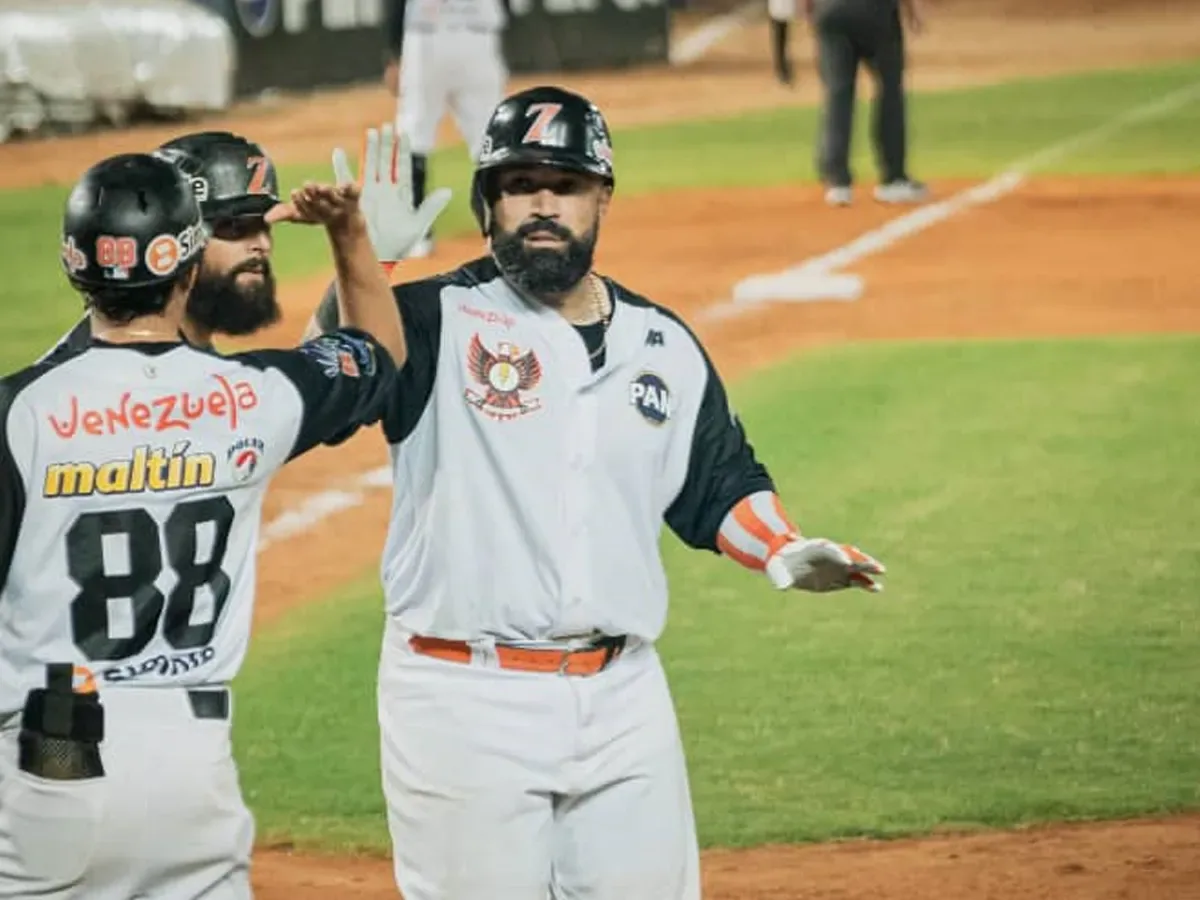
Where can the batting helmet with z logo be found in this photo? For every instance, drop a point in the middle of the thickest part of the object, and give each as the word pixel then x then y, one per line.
pixel 541 126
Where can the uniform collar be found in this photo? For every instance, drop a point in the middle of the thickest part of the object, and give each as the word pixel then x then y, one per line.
pixel 626 330
pixel 149 348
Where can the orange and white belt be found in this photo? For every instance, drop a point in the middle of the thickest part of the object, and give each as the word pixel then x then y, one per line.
pixel 587 660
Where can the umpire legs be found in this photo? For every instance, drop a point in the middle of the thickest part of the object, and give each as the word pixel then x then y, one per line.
pixel 888 126
pixel 843 42
pixel 837 61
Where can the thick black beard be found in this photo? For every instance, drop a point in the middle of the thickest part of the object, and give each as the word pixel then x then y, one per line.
pixel 544 273
pixel 221 305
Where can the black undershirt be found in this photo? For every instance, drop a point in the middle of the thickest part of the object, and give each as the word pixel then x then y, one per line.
pixel 593 340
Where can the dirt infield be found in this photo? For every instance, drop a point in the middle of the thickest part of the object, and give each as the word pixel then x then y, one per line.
pixel 1067 256
pixel 1146 859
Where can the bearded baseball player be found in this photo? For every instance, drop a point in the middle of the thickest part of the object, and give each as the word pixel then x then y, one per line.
pixel 443 55
pixel 236 184
pixel 546 424
pixel 132 475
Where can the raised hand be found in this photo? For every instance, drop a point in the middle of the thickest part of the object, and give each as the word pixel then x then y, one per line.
pixel 385 177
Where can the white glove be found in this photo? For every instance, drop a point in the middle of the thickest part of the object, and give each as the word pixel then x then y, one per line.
pixel 820 565
pixel 386 202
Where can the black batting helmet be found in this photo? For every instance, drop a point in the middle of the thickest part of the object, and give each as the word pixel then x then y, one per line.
pixel 131 221
pixel 542 126
pixel 231 176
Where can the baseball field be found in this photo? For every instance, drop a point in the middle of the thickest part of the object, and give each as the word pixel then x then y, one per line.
pixel 1006 416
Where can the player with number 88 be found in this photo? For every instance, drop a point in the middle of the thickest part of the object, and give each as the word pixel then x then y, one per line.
pixel 133 467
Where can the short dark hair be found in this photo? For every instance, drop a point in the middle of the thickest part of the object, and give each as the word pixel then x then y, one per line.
pixel 121 305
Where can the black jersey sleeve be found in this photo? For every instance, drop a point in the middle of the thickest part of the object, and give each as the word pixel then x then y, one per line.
pixel 343 378
pixel 70 343
pixel 421 312
pixel 12 488
pixel 722 468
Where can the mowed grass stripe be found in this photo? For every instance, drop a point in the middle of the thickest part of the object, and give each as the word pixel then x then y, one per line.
pixel 1034 656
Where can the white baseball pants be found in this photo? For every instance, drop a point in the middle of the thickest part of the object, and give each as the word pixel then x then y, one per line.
pixel 166 822
pixel 456 70
pixel 521 786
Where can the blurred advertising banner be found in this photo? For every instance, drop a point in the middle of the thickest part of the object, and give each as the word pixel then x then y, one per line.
pixel 560 35
pixel 293 45
pixel 299 44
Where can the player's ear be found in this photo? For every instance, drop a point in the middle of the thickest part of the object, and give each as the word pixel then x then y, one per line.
pixel 184 282
pixel 192 276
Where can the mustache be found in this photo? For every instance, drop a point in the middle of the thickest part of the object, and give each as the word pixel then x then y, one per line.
pixel 545 227
pixel 257 266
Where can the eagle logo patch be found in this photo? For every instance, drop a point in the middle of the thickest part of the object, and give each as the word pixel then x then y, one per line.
pixel 504 375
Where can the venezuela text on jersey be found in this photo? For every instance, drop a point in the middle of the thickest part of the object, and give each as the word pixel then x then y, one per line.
pixel 161 413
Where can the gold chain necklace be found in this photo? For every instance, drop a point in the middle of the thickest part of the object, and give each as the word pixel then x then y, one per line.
pixel 600 302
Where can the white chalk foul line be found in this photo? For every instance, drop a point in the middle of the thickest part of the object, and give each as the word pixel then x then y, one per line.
pixel 822 269
pixel 320 506
pixel 818 278
pixel 696 45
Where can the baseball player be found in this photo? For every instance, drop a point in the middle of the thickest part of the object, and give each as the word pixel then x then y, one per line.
pixel 546 424
pixel 850 32
pixel 443 55
pixel 236 183
pixel 132 475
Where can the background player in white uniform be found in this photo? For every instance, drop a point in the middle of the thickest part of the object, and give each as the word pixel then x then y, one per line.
pixel 132 473
pixel 444 55
pixel 547 422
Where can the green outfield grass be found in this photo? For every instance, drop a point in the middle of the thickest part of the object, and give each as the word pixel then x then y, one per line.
pixel 967 133
pixel 1035 656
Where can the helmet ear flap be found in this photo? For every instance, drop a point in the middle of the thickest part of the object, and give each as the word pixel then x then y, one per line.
pixel 483 195
pixel 478 206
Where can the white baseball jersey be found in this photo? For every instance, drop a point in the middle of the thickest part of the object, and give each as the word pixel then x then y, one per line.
pixel 445 15
pixel 531 485
pixel 131 485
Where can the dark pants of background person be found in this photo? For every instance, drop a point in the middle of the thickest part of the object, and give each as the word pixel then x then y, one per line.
pixel 850 32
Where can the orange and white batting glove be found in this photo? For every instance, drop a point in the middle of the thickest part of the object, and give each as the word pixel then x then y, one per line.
pixel 394 225
pixel 820 565
pixel 758 534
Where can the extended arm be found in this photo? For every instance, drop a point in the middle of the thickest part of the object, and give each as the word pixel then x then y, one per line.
pixel 728 504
